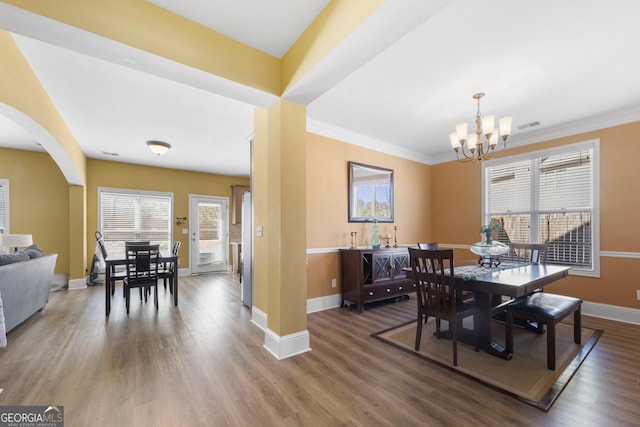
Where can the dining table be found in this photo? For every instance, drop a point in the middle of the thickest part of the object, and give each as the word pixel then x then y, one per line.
pixel 117 259
pixel 491 285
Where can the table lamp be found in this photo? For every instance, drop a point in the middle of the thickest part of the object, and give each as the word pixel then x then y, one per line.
pixel 15 241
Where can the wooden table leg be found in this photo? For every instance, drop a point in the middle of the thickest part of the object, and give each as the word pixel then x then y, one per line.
pixel 175 283
pixel 487 303
pixel 107 289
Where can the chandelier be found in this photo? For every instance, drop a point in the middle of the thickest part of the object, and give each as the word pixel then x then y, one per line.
pixel 479 148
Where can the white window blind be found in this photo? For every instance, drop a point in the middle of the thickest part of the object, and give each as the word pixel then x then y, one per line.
pixel 126 215
pixel 548 197
pixel 4 206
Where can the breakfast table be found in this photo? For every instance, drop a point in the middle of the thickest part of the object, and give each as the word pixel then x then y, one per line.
pixel 121 259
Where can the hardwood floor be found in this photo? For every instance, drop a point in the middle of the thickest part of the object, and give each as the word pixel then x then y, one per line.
pixel 203 363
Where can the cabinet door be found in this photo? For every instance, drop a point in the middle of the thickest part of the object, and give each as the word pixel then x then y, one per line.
pixel 382 267
pixel 400 261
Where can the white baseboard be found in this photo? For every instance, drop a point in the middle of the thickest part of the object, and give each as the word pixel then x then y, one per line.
pixel 259 318
pixel 611 312
pixel 324 303
pixel 288 345
pixel 280 347
pixel 75 284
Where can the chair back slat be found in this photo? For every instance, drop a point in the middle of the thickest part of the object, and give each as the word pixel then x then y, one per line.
pixel 528 252
pixel 433 271
pixel 142 263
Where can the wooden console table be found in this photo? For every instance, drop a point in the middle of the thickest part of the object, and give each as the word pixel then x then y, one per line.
pixel 370 275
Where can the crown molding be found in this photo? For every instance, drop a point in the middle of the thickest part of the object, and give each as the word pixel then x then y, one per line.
pixel 589 124
pixel 343 135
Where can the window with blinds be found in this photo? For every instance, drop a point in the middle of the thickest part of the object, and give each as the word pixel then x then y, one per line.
pixel 126 215
pixel 4 206
pixel 548 197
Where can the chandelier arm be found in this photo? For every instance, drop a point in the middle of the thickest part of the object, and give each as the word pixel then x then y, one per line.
pixel 469 156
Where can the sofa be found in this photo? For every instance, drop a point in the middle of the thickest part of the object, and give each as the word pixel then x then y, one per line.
pixel 25 284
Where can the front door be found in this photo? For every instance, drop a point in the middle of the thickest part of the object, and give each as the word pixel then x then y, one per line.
pixel 209 239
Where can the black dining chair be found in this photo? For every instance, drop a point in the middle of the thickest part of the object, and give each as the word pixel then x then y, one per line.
pixel 433 272
pixel 166 273
pixel 142 271
pixel 114 274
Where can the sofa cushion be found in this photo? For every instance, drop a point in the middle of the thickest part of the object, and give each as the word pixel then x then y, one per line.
pixel 11 258
pixel 33 251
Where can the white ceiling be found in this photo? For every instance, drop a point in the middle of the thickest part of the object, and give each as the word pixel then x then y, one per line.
pixel 399 83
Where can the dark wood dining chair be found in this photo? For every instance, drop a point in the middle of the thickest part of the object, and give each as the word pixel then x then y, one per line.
pixel 466 295
pixel 114 275
pixel 166 273
pixel 433 272
pixel 142 271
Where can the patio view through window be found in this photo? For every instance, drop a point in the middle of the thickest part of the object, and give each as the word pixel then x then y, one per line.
pixel 547 197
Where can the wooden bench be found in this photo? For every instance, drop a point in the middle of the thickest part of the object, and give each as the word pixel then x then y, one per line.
pixel 547 309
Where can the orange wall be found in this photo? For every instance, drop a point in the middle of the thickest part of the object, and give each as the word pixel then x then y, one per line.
pixel 39 201
pixel 456 188
pixel 327 219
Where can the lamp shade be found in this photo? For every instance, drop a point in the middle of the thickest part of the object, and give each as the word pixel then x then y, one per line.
pixel 158 147
pixel 16 240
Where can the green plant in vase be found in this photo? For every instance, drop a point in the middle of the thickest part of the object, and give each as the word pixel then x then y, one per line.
pixel 487 230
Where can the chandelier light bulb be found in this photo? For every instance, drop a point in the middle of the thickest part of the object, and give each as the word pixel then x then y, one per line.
pixel 487 124
pixel 455 144
pixel 461 131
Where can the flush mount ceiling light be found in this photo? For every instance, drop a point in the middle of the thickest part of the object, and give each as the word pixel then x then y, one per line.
pixel 158 147
pixel 478 148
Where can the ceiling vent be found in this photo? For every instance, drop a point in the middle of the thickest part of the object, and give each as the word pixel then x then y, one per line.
pixel 529 125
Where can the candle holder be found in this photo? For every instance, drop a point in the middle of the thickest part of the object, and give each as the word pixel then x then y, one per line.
pixel 353 240
pixel 395 236
pixel 387 238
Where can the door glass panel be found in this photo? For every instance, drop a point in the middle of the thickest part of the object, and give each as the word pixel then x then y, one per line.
pixel 210 233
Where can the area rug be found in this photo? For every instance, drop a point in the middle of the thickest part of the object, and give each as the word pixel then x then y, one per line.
pixel 525 377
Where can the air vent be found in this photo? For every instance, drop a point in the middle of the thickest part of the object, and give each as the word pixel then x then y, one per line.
pixel 529 125
pixel 107 153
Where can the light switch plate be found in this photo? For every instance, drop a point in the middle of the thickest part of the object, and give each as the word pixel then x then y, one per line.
pixel 259 231
pixel 185 231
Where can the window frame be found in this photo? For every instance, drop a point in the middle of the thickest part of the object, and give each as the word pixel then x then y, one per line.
pixel 594 145
pixel 130 192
